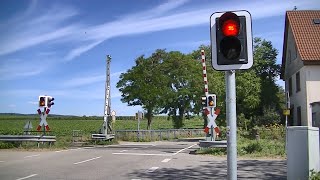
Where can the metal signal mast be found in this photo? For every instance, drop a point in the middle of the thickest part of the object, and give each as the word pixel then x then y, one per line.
pixel 106 130
pixel 107 107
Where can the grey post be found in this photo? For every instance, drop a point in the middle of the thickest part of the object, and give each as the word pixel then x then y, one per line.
pixel 232 124
pixel 287 107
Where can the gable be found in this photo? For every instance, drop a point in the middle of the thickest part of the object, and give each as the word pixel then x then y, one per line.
pixel 301 29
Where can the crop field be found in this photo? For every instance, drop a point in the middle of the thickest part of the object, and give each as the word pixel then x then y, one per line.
pixel 271 138
pixel 62 127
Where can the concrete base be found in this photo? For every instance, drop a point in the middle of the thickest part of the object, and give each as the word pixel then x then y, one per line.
pixel 102 136
pixel 213 144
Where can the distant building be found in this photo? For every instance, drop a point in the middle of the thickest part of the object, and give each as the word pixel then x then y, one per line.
pixel 301 65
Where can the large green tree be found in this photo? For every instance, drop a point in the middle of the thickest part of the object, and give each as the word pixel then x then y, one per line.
pixel 266 67
pixel 143 84
pixel 247 87
pixel 172 83
pixel 183 77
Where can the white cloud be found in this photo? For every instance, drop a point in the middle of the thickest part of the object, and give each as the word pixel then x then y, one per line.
pixel 12 106
pixel 12 68
pixel 34 29
pixel 19 71
pixel 81 81
pixel 79 50
pixel 89 79
pixel 49 26
pixel 156 11
pixel 33 102
pixel 125 26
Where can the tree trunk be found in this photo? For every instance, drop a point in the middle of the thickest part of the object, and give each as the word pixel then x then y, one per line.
pixel 149 117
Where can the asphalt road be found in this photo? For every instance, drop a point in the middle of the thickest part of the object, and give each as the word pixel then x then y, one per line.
pixel 156 160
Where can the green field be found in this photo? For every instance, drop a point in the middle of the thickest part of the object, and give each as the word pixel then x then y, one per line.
pixel 62 126
pixel 270 143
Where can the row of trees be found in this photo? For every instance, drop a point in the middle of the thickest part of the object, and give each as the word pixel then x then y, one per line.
pixel 171 83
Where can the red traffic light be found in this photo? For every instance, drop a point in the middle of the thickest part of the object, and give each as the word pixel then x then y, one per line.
pixel 230 28
pixel 230 24
pixel 231 40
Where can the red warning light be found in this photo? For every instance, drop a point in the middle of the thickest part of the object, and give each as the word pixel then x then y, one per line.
pixel 230 28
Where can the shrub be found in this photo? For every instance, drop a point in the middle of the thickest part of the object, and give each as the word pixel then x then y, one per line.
pixel 314 175
pixel 6 145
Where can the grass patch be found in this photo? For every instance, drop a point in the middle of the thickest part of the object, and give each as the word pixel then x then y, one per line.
pixel 251 148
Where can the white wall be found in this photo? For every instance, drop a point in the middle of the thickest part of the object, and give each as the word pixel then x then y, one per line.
pixel 294 65
pixel 313 87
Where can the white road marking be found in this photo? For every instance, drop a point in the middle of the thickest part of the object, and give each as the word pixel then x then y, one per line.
pixel 32 156
pixel 86 160
pixel 183 149
pixel 137 145
pixel 152 169
pixel 1 161
pixel 65 150
pixel 62 151
pixel 135 148
pixel 27 177
pixel 142 154
pixel 123 150
pixel 166 160
pixel 88 147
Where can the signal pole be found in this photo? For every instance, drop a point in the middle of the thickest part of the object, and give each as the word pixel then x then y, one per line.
pixel 107 107
pixel 231 40
pixel 231 124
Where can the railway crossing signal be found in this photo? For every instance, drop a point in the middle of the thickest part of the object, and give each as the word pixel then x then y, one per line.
pixel 211 100
pixel 46 101
pixel 231 40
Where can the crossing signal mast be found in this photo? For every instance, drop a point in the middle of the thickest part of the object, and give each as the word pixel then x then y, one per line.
pixel 106 129
pixel 231 43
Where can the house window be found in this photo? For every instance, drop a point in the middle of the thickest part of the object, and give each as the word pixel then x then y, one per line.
pixel 314 123
pixel 298 82
pixel 299 116
pixel 290 119
pixel 290 86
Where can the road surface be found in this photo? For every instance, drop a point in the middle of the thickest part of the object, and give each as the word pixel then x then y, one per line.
pixel 155 160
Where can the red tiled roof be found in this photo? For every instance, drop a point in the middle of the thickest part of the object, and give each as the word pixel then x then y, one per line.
pixel 306 35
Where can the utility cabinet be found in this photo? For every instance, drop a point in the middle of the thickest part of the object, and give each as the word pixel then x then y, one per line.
pixel 302 151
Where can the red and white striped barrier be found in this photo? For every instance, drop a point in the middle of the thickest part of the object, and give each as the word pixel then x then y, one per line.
pixel 204 72
pixel 207 110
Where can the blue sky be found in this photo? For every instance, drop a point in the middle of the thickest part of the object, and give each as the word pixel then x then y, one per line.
pixel 59 48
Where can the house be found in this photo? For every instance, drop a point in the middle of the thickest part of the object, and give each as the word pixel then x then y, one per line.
pixel 301 64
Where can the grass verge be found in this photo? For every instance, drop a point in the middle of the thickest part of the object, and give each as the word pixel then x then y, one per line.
pixel 251 148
